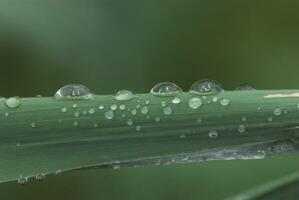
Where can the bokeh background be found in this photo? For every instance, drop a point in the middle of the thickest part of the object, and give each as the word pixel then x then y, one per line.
pixel 111 45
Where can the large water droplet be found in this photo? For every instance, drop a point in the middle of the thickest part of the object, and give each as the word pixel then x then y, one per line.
pixel 206 87
pixel 166 89
pixel 109 114
pixel 124 95
pixel 13 102
pixel 167 110
pixel 245 87
pixel 195 102
pixel 74 91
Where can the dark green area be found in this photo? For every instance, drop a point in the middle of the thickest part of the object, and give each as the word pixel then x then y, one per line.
pixel 111 45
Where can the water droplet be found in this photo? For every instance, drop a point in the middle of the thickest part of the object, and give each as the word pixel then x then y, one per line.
pixel 144 110
pixel 245 87
pixel 157 119
pixel 74 91
pixel 130 122
pixel 95 125
pixel 6 114
pixel 40 176
pixel 58 172
pixel 270 119
pixel 163 103
pixel 124 95
pixel 277 111
pixel 224 102
pixel 33 124
pixel 75 105
pixel 109 114
pixel 176 100
pixel 134 112
pixel 213 134
pixel 84 112
pixel 13 102
pixel 167 110
pixel 195 103
pixel 91 111
pixel 122 107
pixel 244 119
pixel 76 114
pixel 138 128
pixel 123 115
pixel 147 102
pixel 75 123
pixel 22 180
pixel 206 87
pixel 64 109
pixel 241 128
pixel 215 99
pixel 166 89
pixel 113 107
pixel 101 107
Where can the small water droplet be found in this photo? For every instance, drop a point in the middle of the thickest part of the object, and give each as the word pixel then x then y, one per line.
pixel 270 119
pixel 277 111
pixel 74 91
pixel 76 114
pixel 122 107
pixel 224 102
pixel 101 107
pixel 75 123
pixel 176 100
pixel 84 112
pixel 166 89
pixel 195 103
pixel 215 99
pixel 138 128
pixel 167 110
pixel 95 125
pixel 6 114
pixel 113 107
pixel 64 109
pixel 147 102
pixel 58 172
pixel 40 176
pixel 33 124
pixel 206 87
pixel 91 111
pixel 213 134
pixel 241 128
pixel 13 102
pixel 245 87
pixel 75 105
pixel 134 112
pixel 109 114
pixel 157 119
pixel 123 115
pixel 22 180
pixel 130 122
pixel 144 110
pixel 124 95
pixel 244 119
pixel 163 103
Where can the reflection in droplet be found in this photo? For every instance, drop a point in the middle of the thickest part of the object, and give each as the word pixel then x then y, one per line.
pixel 206 87
pixel 166 89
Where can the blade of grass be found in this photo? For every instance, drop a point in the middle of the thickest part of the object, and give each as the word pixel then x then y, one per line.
pixel 46 135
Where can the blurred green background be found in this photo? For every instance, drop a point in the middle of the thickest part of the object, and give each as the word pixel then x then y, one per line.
pixel 133 44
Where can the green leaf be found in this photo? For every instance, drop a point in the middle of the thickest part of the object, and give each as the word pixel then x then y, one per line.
pixel 283 188
pixel 45 135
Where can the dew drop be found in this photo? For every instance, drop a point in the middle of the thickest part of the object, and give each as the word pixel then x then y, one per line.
pixel 95 125
pixel 144 110
pixel 33 124
pixel 195 103
pixel 74 91
pixel 76 114
pixel 91 111
pixel 138 128
pixel 22 180
pixel 270 119
pixel 134 112
pixel 206 87
pixel 6 114
pixel 40 176
pixel 130 122
pixel 166 89
pixel 241 128
pixel 244 119
pixel 167 110
pixel 157 119
pixel 75 105
pixel 176 100
pixel 147 102
pixel 64 109
pixel 109 114
pixel 13 102
pixel 124 95
pixel 163 103
pixel 113 107
pixel 101 107
pixel 213 134
pixel 122 107
pixel 215 99
pixel 277 111
pixel 245 87
pixel 75 123
pixel 224 102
